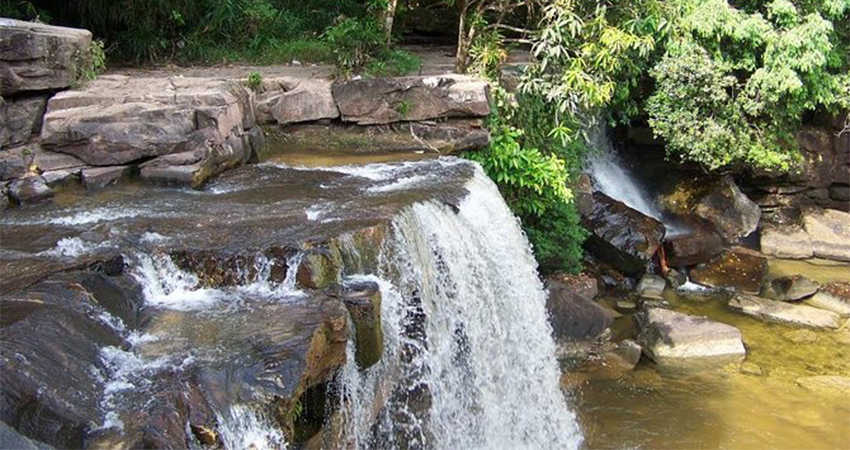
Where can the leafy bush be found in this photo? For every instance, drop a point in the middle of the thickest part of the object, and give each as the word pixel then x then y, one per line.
pixel 393 63
pixel 557 238
pixel 94 62
pixel 354 42
pixel 254 81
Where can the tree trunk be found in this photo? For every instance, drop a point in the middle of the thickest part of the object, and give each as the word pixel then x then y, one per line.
pixel 462 57
pixel 389 18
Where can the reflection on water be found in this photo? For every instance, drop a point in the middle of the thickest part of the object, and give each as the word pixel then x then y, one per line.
pixel 727 408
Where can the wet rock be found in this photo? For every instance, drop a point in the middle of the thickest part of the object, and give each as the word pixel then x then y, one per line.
pixel 583 285
pixel 785 241
pixel 789 289
pixel 651 286
pixel 675 278
pixel 11 439
pixel 626 306
pixel 386 100
pixel 573 316
pixel 194 168
pixel 738 268
pixel 58 178
pixel 829 231
pixel 833 297
pixel 288 100
pixel 621 236
pixel 35 57
pixel 784 313
pixel 451 136
pixel 676 339
pixel 826 384
pixel 363 300
pixel 101 177
pixel 840 192
pixel 14 163
pixel 320 268
pixel 21 118
pixel 30 190
pixel 749 368
pixel 731 212
pixel 624 356
pixel 800 336
pixel 692 248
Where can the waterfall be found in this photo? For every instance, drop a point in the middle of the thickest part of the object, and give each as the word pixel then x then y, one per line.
pixel 613 177
pixel 469 361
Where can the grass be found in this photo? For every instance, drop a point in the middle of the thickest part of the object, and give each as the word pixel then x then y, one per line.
pixel 393 63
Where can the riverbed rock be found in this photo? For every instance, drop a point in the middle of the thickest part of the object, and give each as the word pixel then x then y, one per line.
pixel 731 212
pixel 651 286
pixel 800 336
pixel 101 177
pixel 363 301
pixel 789 289
pixel 115 120
pixel 833 297
pixel 785 241
pixel 195 167
pixel 20 119
pixel 36 57
pixel 371 101
pixel 826 384
pixel 287 100
pixel 675 339
pixel 30 190
pixel 56 178
pixel 624 355
pixel 740 269
pixel 690 249
pixel 621 236
pixel 573 316
pixel 784 313
pixel 829 231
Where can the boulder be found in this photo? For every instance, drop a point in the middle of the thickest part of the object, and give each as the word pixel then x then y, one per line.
pixel 386 100
pixel 833 297
pixel 619 235
pixel 30 190
pixel 37 57
pixel 14 162
pixel 737 268
pixel 573 316
pixel 583 285
pixel 829 232
pixel 675 278
pixel 731 212
pixel 785 241
pixel 20 119
pixel 363 301
pixel 675 339
pixel 288 100
pixel 651 286
pixel 101 177
pixel 115 120
pixel 784 313
pixel 56 178
pixel 689 249
pixel 789 289
pixel 624 355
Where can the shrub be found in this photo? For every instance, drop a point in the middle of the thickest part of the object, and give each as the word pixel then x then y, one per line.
pixel 354 42
pixel 557 238
pixel 255 80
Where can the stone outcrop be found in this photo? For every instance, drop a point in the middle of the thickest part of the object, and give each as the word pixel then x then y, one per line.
pixel 732 213
pixel 784 313
pixel 37 57
pixel 363 301
pixel 785 241
pixel 740 269
pixel 676 339
pixel 689 249
pixel 385 100
pixel 833 297
pixel 619 235
pixel 829 233
pixel 287 100
pixel 30 190
pixel 20 119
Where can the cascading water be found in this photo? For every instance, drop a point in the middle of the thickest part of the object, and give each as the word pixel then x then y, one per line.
pixel 469 361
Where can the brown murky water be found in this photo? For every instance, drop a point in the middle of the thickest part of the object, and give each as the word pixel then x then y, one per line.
pixel 726 408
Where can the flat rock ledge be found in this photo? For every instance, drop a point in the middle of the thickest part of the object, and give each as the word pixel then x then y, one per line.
pixel 823 233
pixel 784 313
pixel 679 340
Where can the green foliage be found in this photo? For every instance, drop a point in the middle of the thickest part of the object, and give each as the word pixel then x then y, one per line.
pixel 557 238
pixel 255 81
pixel 488 54
pixel 93 63
pixel 393 63
pixel 24 10
pixel 403 107
pixel 354 42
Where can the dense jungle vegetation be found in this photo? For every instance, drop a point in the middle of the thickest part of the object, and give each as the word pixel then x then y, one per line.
pixel 724 83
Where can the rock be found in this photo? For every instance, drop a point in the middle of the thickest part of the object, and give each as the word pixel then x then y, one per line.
pixel 583 285
pixel 624 356
pixel 621 236
pixel 11 439
pixel 21 118
pixel 840 192
pixel 833 297
pixel 386 100
pixel 690 249
pixel 320 268
pixel 288 100
pixel 789 289
pixel 675 278
pixel 829 231
pixel 737 268
pixel 363 300
pixel 784 313
pixel 826 384
pixel 626 306
pixel 573 316
pixel 749 368
pixel 450 136
pixel 57 178
pixel 800 336
pixel 731 212
pixel 30 190
pixel 36 57
pixel 14 163
pixel 785 241
pixel 676 339
pixel 194 168
pixel 651 286
pixel 115 120
pixel 101 177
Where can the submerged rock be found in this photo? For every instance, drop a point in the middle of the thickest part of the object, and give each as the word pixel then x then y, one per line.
pixel 826 384
pixel 829 231
pixel 731 212
pixel 621 236
pixel 800 336
pixel 785 241
pixel 789 289
pixel 784 313
pixel 676 339
pixel 740 269
pixel 833 297
pixel 651 286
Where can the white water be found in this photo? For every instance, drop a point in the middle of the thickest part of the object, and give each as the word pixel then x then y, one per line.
pixel 487 360
pixel 613 177
pixel 242 428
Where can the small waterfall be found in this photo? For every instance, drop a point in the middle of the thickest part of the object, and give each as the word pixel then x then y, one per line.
pixel 613 177
pixel 469 361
